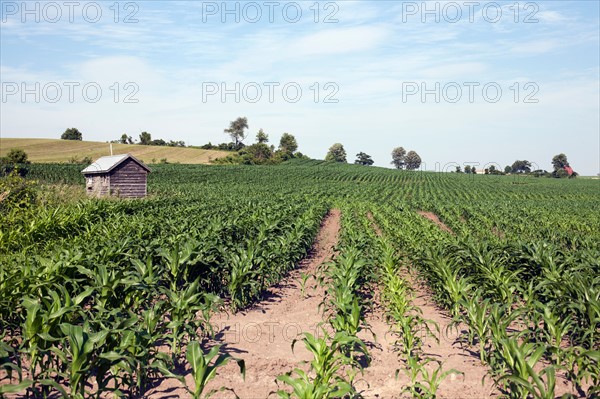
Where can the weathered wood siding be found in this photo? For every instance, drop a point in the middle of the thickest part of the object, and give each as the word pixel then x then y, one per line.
pixel 97 185
pixel 128 180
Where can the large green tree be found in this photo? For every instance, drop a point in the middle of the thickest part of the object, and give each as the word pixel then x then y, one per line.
pixel 398 157
pixel 145 138
pixel 559 161
pixel 260 152
pixel 125 139
pixel 521 166
pixel 262 137
pixel 237 130
pixel 336 153
pixel 412 160
pixel 363 159
pixel 288 143
pixel 72 133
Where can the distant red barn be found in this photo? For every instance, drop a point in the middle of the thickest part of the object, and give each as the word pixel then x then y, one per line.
pixel 569 170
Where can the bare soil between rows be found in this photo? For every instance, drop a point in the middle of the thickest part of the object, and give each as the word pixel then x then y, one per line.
pixel 470 384
pixel 435 219
pixel 263 334
pixel 475 382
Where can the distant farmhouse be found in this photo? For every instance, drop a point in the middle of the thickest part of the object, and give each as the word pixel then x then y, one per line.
pixel 569 170
pixel 119 175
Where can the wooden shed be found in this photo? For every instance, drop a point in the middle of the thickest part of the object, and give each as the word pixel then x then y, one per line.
pixel 120 175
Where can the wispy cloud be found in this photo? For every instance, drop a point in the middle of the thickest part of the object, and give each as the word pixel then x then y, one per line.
pixel 536 47
pixel 339 41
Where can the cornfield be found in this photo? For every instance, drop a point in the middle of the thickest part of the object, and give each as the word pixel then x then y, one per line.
pixel 93 291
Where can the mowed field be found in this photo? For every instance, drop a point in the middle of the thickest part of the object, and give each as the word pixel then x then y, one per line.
pixel 54 150
pixel 391 284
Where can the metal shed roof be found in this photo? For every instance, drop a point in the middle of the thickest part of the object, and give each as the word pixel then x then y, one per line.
pixel 106 164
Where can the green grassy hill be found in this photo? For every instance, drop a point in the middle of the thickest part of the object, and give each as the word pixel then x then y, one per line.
pixel 53 150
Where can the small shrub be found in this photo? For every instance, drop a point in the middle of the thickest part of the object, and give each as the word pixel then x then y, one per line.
pixel 561 174
pixel 15 156
pixel 16 192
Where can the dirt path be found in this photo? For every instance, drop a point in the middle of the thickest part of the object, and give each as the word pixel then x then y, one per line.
pixel 379 379
pixel 451 354
pixel 381 375
pixel 263 335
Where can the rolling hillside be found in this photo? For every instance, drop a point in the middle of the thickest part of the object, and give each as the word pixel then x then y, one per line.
pixel 54 150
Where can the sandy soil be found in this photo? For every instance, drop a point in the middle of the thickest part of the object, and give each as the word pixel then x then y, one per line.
pixel 446 350
pixel 435 219
pixel 263 335
pixel 374 225
pixel 498 233
pixel 467 359
pixel 452 354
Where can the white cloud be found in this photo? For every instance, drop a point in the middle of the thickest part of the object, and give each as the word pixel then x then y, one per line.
pixel 550 17
pixel 117 69
pixel 12 74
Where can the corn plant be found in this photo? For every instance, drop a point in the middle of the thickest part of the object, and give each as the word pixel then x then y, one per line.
pixel 183 306
pixel 431 381
pixel 412 369
pixel 449 286
pixel 476 313
pixel 134 356
pixel 490 267
pixel 303 281
pixel 425 383
pixel 583 366
pixel 553 331
pixel 304 387
pixel 108 283
pixel 79 354
pixel 324 379
pixel 10 363
pixel 518 373
pixel 204 368
pixel 176 260
pixel 243 283
pixel 43 323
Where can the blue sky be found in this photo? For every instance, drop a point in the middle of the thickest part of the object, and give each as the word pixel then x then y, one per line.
pixel 373 57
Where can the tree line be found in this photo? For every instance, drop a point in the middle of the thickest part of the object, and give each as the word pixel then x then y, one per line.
pixel 261 152
pixel 560 165
pixel 145 138
pixel 400 158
